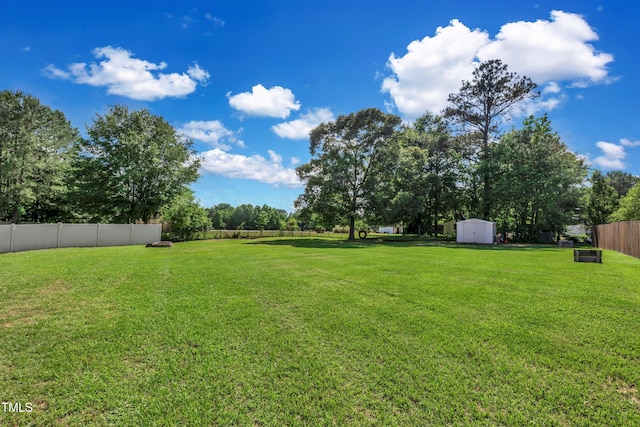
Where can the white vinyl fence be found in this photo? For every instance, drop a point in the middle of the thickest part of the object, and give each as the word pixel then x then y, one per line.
pixel 25 237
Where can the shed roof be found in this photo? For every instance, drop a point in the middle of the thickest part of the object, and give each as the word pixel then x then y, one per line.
pixel 476 220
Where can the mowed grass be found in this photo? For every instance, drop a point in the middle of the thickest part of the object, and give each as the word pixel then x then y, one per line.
pixel 319 332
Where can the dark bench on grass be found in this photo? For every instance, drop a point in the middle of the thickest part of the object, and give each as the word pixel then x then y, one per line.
pixel 587 255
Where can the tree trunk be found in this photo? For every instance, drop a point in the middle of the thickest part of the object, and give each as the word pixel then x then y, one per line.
pixel 486 178
pixel 14 214
pixel 352 226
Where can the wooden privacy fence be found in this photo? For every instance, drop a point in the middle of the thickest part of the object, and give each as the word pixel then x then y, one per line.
pixel 621 236
pixel 25 237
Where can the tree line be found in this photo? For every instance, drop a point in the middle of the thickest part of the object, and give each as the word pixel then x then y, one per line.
pixel 365 167
pixel 248 217
pixel 128 167
pixel 457 165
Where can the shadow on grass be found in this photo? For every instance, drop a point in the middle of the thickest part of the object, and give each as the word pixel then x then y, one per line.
pixel 319 243
pixel 314 243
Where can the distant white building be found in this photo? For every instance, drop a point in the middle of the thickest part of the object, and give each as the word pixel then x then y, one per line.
pixel 396 229
pixel 475 231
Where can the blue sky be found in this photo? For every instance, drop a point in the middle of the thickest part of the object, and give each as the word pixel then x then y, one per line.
pixel 247 80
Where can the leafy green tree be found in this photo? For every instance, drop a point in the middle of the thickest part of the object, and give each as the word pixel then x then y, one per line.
pixel 482 104
pixel 132 164
pixel 629 209
pixel 252 217
pixel 427 174
pixel 35 150
pixel 538 180
pixel 186 218
pixel 291 224
pixel 622 181
pixel 263 219
pixel 276 216
pixel 220 215
pixel 350 169
pixel 601 199
pixel 243 214
pixel 411 186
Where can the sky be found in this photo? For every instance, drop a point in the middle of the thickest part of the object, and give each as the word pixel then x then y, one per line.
pixel 248 80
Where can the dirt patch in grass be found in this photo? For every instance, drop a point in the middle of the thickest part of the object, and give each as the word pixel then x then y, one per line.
pixel 630 393
pixel 58 287
pixel 626 391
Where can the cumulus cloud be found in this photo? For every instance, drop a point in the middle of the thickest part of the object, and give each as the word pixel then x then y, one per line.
pixel 557 49
pixel 262 102
pixel 547 51
pixel 134 78
pixel 612 157
pixel 255 167
pixel 211 132
pixel 300 128
pixel 433 68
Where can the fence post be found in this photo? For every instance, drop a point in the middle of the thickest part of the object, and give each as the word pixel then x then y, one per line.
pixel 130 233
pixel 58 236
pixel 13 227
pixel 98 234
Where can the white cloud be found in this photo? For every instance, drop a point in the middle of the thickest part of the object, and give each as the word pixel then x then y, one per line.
pixel 300 128
pixel 433 68
pixel 544 103
pixel 197 73
pixel 275 157
pixel 552 87
pixel 54 72
pixel 133 78
pixel 275 102
pixel 612 157
pixel 629 143
pixel 255 167
pixel 217 21
pixel 557 49
pixel 212 132
pixel 295 161
pixel 547 51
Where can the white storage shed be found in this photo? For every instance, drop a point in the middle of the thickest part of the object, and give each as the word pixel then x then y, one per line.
pixel 475 231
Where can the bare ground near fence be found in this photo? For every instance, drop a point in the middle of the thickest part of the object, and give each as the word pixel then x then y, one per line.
pixel 621 236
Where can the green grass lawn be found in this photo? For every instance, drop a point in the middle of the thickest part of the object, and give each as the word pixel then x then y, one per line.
pixel 317 332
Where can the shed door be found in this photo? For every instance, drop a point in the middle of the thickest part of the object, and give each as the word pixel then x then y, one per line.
pixel 470 233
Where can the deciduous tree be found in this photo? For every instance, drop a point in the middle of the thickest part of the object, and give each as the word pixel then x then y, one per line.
pixel 538 180
pixel 601 199
pixel 427 173
pixel 132 164
pixel 185 217
pixel 629 209
pixel 352 159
